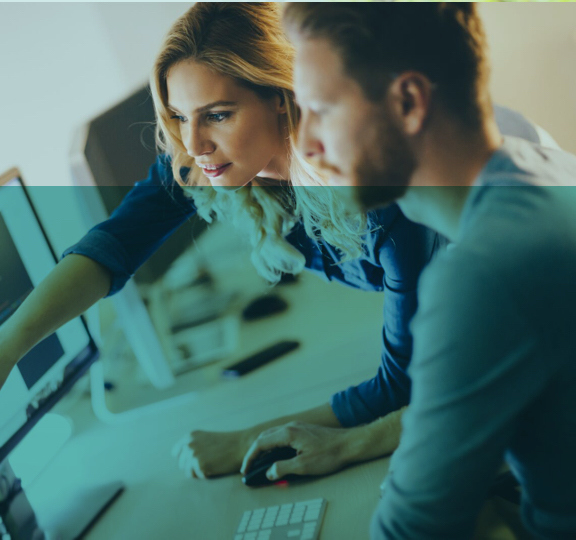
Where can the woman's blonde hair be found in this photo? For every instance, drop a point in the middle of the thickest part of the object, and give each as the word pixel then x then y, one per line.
pixel 245 41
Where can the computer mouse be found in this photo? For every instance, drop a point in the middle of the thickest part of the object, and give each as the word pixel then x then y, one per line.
pixel 263 306
pixel 256 474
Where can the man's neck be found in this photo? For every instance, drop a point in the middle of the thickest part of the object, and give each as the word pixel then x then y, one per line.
pixel 450 160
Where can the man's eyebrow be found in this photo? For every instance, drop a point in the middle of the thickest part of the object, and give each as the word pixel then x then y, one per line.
pixel 209 106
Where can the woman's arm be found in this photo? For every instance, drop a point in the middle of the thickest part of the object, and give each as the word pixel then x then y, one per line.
pixel 75 284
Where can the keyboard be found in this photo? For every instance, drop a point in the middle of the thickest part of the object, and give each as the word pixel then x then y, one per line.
pixel 293 521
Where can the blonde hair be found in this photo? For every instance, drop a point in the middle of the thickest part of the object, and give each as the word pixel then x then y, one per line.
pixel 245 41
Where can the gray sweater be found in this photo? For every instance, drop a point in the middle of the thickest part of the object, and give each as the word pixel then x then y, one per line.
pixel 494 361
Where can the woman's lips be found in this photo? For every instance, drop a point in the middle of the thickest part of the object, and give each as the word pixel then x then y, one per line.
pixel 215 172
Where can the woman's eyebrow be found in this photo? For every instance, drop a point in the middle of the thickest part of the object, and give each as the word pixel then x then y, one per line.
pixel 209 106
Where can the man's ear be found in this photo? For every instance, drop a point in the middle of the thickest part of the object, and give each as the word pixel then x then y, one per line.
pixel 410 96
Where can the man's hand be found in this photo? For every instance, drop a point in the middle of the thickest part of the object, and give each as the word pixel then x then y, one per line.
pixel 202 454
pixel 324 450
pixel 321 450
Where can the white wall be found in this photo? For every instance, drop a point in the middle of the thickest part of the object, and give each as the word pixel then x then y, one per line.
pixel 62 63
pixel 533 51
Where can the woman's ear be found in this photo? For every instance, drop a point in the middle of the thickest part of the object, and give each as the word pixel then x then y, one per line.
pixel 281 107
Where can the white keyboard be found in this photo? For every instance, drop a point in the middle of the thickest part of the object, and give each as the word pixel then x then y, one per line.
pixel 294 521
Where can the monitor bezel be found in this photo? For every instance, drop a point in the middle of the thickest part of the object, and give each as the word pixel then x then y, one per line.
pixel 74 370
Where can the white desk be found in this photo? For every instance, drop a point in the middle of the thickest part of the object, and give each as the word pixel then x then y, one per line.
pixel 340 333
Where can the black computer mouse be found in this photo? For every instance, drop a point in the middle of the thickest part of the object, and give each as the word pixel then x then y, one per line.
pixel 263 306
pixel 256 474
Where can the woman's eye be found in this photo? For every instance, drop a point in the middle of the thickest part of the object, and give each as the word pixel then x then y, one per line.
pixel 179 118
pixel 217 117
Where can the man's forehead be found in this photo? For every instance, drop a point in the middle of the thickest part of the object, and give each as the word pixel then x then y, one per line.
pixel 319 72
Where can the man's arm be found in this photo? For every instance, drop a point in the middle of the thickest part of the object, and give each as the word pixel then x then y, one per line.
pixel 324 450
pixel 473 351
pixel 74 285
pixel 323 444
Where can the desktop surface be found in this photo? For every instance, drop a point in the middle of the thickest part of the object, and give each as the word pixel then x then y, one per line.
pixel 159 502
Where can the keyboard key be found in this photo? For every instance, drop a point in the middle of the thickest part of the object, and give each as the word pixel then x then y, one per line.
pixel 312 515
pixel 297 521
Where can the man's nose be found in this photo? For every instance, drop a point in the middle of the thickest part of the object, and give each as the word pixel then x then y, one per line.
pixel 309 143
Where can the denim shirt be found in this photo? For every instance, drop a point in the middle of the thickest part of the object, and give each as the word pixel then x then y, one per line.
pixel 396 252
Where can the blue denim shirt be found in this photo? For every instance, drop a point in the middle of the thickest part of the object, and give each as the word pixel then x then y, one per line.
pixel 397 251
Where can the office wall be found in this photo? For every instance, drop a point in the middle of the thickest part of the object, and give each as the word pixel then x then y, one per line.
pixel 62 63
pixel 533 50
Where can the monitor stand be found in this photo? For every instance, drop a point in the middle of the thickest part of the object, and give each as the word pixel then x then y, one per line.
pixel 64 517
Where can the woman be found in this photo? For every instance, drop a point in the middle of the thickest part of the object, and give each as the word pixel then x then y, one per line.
pixel 226 123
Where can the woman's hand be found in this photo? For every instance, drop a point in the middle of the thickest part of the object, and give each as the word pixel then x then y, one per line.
pixel 202 454
pixel 321 450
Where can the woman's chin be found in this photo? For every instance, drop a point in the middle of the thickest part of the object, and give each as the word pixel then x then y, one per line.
pixel 220 184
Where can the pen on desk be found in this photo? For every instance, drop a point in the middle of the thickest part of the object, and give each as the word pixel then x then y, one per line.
pixel 259 359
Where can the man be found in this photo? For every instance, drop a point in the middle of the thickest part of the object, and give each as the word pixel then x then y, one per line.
pixel 395 103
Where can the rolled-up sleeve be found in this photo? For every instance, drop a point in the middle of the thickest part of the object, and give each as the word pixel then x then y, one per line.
pixel 147 216
pixel 403 253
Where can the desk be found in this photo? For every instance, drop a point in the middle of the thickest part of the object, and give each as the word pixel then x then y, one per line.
pixel 342 347
pixel 160 503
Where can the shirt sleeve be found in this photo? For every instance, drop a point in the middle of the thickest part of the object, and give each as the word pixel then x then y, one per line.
pixel 473 351
pixel 403 253
pixel 147 216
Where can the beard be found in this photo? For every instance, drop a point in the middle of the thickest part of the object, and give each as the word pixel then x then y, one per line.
pixel 383 171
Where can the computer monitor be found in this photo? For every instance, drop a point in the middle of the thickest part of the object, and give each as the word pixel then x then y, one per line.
pixel 49 370
pixel 110 154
